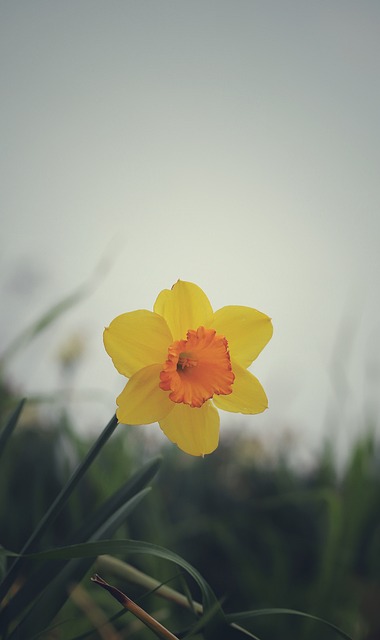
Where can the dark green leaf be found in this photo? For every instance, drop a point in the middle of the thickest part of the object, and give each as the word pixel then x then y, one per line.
pixel 56 592
pixel 45 574
pixel 58 503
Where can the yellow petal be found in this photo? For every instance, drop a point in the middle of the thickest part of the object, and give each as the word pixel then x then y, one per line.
pixel 142 401
pixel 137 339
pixel 247 331
pixel 185 306
pixel 195 431
pixel 247 395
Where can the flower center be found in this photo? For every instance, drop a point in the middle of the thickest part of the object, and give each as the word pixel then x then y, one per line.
pixel 197 368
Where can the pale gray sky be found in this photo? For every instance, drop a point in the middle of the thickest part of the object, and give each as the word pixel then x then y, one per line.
pixel 234 144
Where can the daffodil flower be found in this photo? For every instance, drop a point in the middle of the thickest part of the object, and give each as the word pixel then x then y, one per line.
pixel 184 362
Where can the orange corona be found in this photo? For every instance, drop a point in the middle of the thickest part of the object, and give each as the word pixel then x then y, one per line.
pixel 197 368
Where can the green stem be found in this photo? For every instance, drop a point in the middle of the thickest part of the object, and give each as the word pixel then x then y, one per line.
pixel 58 504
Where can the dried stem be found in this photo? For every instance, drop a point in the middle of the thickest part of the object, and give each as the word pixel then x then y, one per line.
pixel 134 608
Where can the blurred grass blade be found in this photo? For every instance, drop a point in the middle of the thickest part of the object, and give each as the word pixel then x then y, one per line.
pixel 55 594
pixel 43 322
pixel 52 314
pixel 6 553
pixel 10 425
pixel 58 503
pixel 45 574
pixel 128 573
pixel 247 615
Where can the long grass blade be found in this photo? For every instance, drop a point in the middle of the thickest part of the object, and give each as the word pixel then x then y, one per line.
pixel 58 504
pixel 134 484
pixel 10 426
pixel 45 574
pixel 56 592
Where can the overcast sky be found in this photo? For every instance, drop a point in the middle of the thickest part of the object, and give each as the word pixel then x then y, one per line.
pixel 233 144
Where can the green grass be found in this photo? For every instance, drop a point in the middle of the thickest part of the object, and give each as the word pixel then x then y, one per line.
pixel 263 536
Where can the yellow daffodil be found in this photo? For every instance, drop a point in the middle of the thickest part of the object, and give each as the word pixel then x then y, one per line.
pixel 184 362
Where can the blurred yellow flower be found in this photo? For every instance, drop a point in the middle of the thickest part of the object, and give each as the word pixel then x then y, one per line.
pixel 184 362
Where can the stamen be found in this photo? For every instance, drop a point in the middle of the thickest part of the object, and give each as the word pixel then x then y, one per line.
pixel 197 368
pixel 186 360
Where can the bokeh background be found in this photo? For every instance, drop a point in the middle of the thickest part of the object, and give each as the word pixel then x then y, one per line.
pixel 233 144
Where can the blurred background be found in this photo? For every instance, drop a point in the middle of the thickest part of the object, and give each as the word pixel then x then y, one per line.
pixel 235 145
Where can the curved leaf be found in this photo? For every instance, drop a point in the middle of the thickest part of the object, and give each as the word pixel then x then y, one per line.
pixel 56 592
pixel 92 549
pixel 247 615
